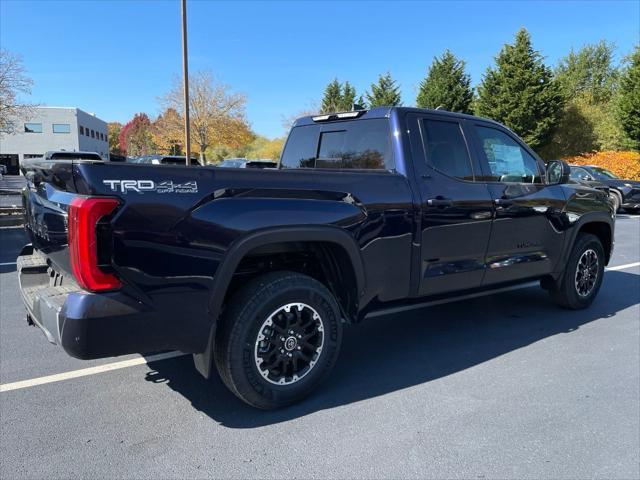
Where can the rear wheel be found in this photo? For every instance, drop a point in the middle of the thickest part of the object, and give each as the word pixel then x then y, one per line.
pixel 583 274
pixel 279 338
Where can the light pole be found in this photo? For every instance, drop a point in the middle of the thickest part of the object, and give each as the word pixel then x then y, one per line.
pixel 185 78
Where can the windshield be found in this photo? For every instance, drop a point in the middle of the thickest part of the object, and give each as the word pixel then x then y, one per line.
pixel 602 173
pixel 261 164
pixel 173 161
pixel 75 156
pixel 231 164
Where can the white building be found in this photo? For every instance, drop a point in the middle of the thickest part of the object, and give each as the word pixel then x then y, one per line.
pixel 53 128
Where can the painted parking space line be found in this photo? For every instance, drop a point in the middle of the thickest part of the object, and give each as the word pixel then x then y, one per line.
pixel 7 263
pixel 623 267
pixel 84 372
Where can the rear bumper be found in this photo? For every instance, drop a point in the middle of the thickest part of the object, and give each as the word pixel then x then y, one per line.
pixel 90 325
pixel 41 295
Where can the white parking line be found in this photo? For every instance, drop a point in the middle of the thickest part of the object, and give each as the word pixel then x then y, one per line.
pixel 58 377
pixel 7 263
pixel 623 267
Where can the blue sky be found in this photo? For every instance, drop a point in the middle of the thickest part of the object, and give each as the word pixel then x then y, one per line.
pixel 115 58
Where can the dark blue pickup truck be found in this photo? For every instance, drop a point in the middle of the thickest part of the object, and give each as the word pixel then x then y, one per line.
pixel 256 271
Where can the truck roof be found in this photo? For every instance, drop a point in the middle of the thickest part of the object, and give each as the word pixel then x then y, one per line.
pixel 385 112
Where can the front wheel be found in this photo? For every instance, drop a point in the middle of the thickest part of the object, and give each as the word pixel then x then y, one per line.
pixel 615 199
pixel 583 274
pixel 279 338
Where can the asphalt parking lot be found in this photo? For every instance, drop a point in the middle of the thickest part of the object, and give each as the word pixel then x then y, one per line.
pixel 503 386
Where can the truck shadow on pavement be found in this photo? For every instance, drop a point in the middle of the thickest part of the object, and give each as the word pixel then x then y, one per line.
pixel 395 352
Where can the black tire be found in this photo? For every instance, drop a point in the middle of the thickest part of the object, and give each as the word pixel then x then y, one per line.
pixel 616 200
pixel 573 292
pixel 238 347
pixel 633 211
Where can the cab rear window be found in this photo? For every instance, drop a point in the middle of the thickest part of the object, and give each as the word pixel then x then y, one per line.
pixel 361 144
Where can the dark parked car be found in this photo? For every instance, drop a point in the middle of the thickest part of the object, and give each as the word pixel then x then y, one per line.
pixel 624 193
pixel 66 155
pixel 244 163
pixel 165 160
pixel 577 176
pixel 117 158
pixel 255 272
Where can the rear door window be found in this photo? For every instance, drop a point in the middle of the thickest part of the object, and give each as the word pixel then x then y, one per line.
pixel 362 144
pixel 446 149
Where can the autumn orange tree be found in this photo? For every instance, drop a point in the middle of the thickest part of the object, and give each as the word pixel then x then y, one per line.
pixel 113 134
pixel 217 115
pixel 135 137
pixel 167 132
pixel 623 164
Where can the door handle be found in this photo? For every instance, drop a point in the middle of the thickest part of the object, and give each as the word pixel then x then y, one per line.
pixel 439 202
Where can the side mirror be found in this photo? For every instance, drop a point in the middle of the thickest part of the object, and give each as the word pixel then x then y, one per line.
pixel 558 172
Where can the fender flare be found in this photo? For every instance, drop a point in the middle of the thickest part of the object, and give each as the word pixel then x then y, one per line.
pixel 243 245
pixel 591 217
pixel 303 233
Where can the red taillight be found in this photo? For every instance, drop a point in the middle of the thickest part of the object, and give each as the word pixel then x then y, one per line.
pixel 84 214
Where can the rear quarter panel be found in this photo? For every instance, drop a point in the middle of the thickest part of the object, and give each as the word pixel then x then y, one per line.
pixel 169 242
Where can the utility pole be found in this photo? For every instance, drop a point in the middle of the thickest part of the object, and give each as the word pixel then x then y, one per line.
pixel 185 78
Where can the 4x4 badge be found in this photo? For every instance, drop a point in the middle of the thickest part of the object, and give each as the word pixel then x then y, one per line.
pixel 142 186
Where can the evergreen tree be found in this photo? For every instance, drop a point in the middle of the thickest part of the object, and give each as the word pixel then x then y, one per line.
pixel 348 97
pixel 332 100
pixel 338 97
pixel 446 85
pixel 629 99
pixel 521 92
pixel 384 93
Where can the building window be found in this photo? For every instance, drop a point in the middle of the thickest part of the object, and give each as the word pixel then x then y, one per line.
pixel 81 130
pixel 93 134
pixel 61 128
pixel 101 137
pixel 33 127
